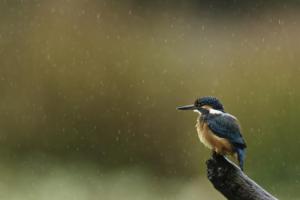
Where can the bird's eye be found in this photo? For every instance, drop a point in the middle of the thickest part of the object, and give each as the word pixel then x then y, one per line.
pixel 197 104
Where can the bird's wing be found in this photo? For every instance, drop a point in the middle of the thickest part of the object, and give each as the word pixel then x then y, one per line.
pixel 226 126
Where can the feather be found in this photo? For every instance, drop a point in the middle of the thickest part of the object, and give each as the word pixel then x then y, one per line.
pixel 226 126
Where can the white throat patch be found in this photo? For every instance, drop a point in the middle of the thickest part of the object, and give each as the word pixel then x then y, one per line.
pixel 197 111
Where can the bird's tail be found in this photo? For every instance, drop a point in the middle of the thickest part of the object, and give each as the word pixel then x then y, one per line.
pixel 241 157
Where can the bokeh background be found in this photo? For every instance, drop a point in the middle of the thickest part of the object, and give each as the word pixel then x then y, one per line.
pixel 89 89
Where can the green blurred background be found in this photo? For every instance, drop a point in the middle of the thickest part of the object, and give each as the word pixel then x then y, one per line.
pixel 89 90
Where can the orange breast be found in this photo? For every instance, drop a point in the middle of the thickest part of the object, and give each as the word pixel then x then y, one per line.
pixel 212 141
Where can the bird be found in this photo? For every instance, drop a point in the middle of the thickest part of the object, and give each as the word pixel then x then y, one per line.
pixel 217 129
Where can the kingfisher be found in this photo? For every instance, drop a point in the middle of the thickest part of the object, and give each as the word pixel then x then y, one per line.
pixel 218 130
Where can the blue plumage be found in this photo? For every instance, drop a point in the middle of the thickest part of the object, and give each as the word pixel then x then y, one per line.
pixel 241 156
pixel 226 126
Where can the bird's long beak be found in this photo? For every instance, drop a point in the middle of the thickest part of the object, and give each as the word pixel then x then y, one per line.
pixel 188 107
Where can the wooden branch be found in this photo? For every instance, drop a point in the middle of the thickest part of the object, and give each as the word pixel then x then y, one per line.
pixel 228 179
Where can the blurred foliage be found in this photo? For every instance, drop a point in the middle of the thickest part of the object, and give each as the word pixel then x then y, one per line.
pixel 98 82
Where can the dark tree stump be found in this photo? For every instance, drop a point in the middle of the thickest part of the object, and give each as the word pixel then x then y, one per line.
pixel 228 179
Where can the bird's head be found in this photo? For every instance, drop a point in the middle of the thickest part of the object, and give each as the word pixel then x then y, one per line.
pixel 204 104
